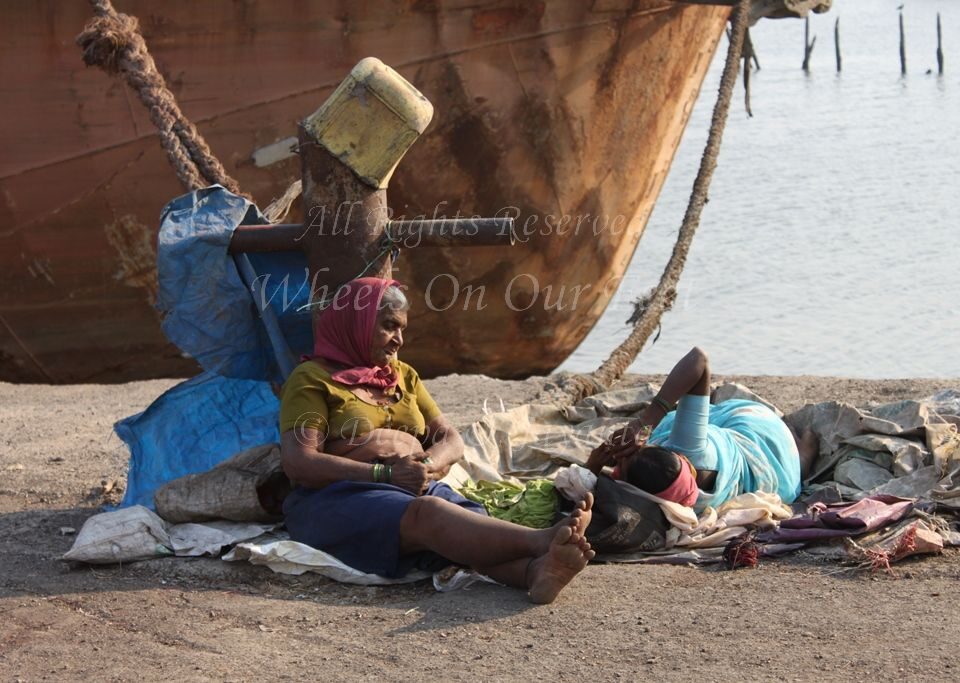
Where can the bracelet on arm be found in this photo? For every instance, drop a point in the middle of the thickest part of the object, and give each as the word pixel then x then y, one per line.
pixel 377 472
pixel 389 477
pixel 663 405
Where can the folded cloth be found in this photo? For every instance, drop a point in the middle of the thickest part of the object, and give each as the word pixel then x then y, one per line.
pixel 842 519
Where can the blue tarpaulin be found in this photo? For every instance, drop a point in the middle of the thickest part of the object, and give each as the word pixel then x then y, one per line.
pixel 207 309
pixel 208 312
pixel 192 427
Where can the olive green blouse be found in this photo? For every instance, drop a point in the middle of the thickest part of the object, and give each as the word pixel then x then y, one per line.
pixel 312 399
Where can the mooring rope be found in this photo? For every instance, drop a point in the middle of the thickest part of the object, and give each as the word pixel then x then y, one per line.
pixel 652 307
pixel 113 42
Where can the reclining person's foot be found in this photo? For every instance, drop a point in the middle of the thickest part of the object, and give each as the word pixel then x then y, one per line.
pixel 808 447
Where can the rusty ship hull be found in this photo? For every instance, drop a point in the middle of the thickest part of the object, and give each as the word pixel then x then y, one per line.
pixel 566 113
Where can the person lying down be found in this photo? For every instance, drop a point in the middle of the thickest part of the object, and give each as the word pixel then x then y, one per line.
pixel 685 450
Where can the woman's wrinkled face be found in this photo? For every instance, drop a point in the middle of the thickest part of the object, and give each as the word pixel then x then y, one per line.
pixel 387 336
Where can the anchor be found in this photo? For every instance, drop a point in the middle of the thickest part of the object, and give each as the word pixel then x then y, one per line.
pixel 349 148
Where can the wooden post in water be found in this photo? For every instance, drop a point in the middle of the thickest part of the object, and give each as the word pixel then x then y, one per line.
pixel 836 43
pixel 753 51
pixel 747 56
pixel 939 47
pixel 903 48
pixel 807 45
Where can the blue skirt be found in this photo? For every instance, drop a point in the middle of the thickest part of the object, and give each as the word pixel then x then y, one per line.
pixel 359 524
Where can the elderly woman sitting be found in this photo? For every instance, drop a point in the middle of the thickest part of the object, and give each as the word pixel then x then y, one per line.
pixel 365 445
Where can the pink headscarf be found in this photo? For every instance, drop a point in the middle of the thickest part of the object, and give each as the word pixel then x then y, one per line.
pixel 684 489
pixel 344 331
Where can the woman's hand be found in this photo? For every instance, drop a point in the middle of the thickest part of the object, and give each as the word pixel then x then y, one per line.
pixel 627 440
pixel 444 447
pixel 622 443
pixel 407 473
pixel 600 457
pixel 435 471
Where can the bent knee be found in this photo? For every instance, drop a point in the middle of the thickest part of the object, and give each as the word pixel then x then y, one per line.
pixel 417 523
pixel 424 507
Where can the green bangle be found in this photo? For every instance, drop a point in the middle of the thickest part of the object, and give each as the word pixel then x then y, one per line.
pixel 664 406
pixel 376 472
pixel 389 473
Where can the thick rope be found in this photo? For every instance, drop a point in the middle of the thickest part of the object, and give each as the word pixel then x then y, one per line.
pixel 113 42
pixel 661 299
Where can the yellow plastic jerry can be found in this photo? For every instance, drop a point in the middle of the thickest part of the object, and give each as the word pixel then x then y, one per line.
pixel 370 120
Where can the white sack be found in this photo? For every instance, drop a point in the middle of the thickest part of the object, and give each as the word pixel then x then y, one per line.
pixel 134 533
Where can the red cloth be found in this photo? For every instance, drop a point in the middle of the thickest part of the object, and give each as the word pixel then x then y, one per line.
pixel 344 331
pixel 684 489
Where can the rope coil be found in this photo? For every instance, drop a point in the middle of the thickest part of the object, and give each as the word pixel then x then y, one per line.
pixel 113 42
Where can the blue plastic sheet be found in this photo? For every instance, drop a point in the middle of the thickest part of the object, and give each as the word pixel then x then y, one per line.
pixel 192 427
pixel 210 313
pixel 207 310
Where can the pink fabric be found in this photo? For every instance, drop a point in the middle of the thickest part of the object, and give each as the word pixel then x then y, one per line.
pixel 344 331
pixel 684 489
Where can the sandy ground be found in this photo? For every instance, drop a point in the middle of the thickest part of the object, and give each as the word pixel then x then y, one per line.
pixel 204 619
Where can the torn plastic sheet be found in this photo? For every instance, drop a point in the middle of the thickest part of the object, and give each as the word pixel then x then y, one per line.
pixel 126 535
pixel 210 538
pixel 290 557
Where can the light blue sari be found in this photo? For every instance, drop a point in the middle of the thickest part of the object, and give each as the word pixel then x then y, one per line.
pixel 749 447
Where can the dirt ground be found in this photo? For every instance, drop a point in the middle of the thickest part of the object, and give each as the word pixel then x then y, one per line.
pixel 204 619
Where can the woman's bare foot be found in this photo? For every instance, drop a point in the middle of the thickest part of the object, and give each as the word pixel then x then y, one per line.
pixel 567 555
pixel 577 521
pixel 583 513
pixel 808 446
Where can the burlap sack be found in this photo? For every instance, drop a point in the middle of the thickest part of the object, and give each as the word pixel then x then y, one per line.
pixel 249 487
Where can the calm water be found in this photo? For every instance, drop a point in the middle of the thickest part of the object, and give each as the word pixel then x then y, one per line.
pixel 830 243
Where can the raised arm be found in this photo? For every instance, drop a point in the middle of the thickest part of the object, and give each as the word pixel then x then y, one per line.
pixel 691 375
